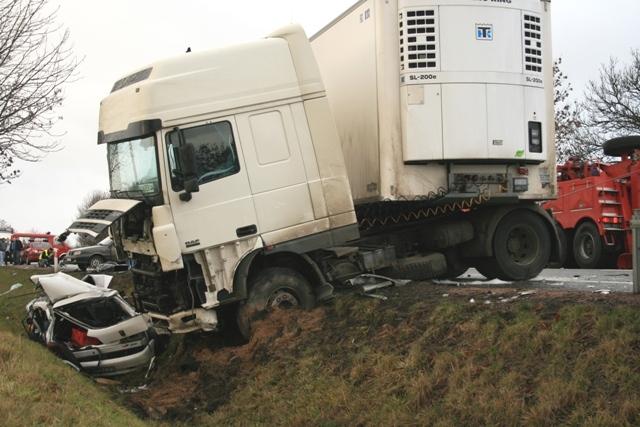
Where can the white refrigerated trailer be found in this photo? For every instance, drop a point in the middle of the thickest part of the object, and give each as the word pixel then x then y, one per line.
pixel 442 94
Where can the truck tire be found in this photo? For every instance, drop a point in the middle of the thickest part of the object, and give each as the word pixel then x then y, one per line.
pixel 563 258
pixel 588 250
pixel 522 246
pixel 274 288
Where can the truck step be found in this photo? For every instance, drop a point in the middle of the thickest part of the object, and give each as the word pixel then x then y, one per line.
pixel 608 190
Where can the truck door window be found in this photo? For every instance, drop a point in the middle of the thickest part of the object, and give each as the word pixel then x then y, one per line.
pixel 216 153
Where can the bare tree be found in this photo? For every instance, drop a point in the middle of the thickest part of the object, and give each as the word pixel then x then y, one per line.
pixel 35 63
pixel 89 200
pixel 5 226
pixel 613 101
pixel 574 138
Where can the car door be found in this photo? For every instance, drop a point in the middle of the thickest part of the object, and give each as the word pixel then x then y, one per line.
pixel 222 210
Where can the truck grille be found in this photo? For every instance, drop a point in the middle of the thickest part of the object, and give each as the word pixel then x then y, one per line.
pixel 532 30
pixel 418 40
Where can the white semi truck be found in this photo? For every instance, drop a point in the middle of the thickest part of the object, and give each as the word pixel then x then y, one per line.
pixel 239 182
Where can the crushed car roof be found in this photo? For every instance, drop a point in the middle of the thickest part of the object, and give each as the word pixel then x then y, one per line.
pixel 60 286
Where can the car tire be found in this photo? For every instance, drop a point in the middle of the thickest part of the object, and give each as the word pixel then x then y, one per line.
pixel 274 288
pixel 95 261
pixel 521 246
pixel 588 250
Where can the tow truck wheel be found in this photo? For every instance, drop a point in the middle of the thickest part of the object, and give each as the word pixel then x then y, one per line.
pixel 274 288
pixel 522 246
pixel 587 246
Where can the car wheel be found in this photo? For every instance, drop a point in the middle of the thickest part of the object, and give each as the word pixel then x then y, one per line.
pixel 95 261
pixel 274 288
pixel 521 246
pixel 587 246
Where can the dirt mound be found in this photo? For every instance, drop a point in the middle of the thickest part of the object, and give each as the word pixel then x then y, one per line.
pixel 203 372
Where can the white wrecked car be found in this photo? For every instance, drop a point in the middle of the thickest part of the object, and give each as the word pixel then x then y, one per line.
pixel 89 325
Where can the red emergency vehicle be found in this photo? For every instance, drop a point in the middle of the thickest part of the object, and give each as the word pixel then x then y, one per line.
pixel 595 205
pixel 34 244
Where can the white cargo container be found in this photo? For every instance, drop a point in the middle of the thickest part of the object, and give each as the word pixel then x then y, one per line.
pixel 442 94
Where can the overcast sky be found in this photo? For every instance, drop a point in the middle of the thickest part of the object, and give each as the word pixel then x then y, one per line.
pixel 118 36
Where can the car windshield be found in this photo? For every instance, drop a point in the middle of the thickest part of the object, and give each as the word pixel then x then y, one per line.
pixel 133 167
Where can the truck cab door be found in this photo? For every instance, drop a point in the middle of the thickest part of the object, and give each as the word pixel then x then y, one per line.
pixel 222 210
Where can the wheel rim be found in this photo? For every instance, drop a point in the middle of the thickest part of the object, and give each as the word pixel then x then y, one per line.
pixel 587 247
pixel 95 262
pixel 283 298
pixel 523 245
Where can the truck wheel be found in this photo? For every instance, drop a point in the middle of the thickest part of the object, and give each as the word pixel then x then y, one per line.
pixel 274 288
pixel 521 246
pixel 95 261
pixel 587 246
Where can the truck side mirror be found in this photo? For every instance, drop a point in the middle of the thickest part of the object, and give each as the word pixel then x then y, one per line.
pixel 189 171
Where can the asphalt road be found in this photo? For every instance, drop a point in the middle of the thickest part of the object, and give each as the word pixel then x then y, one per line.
pixel 603 281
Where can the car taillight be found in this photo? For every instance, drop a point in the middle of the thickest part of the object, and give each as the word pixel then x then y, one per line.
pixel 79 338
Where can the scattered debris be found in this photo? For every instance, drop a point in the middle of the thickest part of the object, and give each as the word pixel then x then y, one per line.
pixel 445 295
pixel 367 283
pixel 603 291
pixel 133 390
pixel 69 268
pixel 472 301
pixel 12 288
pixel 375 296
pixel 516 297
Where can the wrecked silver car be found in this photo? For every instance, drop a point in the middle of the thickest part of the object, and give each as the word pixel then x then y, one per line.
pixel 89 326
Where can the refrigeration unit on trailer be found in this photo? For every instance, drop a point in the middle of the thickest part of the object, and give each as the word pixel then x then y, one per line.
pixel 234 188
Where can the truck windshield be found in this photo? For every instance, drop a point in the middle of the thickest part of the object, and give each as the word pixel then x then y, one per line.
pixel 133 168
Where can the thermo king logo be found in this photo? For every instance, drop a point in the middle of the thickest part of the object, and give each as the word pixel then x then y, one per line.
pixel 484 32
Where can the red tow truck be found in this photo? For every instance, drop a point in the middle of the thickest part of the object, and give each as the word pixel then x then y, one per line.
pixel 595 205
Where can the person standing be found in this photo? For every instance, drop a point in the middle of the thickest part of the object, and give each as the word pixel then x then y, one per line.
pixel 3 249
pixel 16 248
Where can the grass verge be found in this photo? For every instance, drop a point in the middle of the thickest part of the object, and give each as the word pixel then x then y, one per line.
pixel 36 388
pixel 420 358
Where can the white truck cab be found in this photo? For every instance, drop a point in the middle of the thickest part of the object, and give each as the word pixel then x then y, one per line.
pixel 222 153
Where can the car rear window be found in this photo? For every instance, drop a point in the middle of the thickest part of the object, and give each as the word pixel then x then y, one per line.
pixel 98 312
